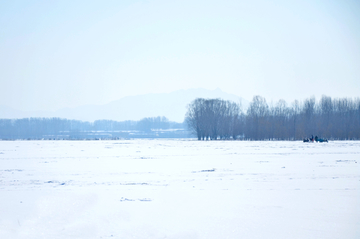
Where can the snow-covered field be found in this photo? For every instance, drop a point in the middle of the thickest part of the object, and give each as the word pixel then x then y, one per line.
pixel 179 189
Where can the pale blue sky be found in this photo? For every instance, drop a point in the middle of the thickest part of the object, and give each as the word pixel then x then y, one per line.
pixel 56 54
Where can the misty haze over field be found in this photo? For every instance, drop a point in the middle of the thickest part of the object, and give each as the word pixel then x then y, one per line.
pixel 117 59
pixel 171 105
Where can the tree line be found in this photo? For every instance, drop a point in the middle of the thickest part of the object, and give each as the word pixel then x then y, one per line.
pixel 337 118
pixel 35 128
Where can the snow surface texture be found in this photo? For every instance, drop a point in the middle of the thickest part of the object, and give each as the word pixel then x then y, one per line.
pixel 179 189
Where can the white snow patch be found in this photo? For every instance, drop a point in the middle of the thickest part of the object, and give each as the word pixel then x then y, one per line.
pixel 179 189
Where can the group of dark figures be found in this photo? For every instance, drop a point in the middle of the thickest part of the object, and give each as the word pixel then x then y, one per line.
pixel 316 139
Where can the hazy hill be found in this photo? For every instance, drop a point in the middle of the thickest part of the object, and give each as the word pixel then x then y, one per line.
pixel 171 105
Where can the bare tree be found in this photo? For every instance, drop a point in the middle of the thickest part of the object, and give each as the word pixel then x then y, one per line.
pixel 256 118
pixel 212 118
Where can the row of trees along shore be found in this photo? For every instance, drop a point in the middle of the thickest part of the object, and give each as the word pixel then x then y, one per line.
pixel 337 118
pixel 49 127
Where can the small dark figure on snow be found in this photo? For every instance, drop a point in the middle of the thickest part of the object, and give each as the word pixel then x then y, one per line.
pixel 320 140
pixel 309 140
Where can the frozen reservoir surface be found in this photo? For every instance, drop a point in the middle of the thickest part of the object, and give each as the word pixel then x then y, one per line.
pixel 179 189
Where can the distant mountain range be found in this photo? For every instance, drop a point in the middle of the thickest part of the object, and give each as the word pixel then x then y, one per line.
pixel 171 105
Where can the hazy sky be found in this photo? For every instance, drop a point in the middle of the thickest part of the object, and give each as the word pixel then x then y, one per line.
pixel 56 54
